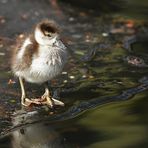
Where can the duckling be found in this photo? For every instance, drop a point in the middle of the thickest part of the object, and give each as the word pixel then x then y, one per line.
pixel 39 58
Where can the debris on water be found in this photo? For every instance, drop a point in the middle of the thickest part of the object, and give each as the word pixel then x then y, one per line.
pixel 129 23
pixel 104 34
pixel 91 77
pixel 123 27
pixel 24 16
pixel 136 61
pixel 71 19
pixel 2 20
pixel 88 37
pixel 21 36
pixel 2 54
pixel 79 52
pixel 12 101
pixel 65 81
pixel 11 81
pixel 1 45
pixel 71 77
pixel 84 76
pixel 64 73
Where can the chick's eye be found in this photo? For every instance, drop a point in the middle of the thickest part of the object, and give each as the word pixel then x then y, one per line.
pixel 49 35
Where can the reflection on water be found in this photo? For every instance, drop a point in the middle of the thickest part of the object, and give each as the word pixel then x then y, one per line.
pixel 122 124
pixel 104 86
pixel 38 136
pixel 42 135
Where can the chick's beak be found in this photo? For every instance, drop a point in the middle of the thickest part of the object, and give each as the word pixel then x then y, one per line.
pixel 56 41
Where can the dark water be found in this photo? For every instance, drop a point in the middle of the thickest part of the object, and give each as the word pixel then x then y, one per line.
pixel 104 87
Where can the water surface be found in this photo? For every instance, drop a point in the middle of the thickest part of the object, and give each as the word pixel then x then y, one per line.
pixel 104 84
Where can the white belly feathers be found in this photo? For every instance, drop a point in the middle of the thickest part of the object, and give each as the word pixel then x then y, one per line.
pixel 46 64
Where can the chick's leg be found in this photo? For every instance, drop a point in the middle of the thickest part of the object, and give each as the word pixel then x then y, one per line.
pixel 25 101
pixel 47 98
